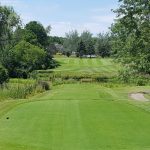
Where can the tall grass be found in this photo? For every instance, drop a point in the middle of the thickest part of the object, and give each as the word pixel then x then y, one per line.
pixel 21 89
pixel 64 77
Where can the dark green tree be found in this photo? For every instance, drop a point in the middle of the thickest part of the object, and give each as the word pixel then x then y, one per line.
pixel 40 32
pixel 81 49
pixel 25 58
pixel 26 35
pixel 3 75
pixel 68 54
pixel 86 37
pixel 103 45
pixel 90 49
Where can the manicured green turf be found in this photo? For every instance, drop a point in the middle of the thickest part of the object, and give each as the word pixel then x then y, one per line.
pixel 78 117
pixel 95 65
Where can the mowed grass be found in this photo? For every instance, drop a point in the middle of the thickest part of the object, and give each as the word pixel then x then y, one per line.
pixel 96 65
pixel 78 117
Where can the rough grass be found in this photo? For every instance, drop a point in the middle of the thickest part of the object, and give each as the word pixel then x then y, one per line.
pixel 78 117
pixel 20 89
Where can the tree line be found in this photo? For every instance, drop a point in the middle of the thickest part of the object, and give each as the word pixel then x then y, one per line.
pixel 86 44
pixel 22 49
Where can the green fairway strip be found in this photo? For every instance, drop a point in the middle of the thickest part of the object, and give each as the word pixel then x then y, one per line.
pixel 96 65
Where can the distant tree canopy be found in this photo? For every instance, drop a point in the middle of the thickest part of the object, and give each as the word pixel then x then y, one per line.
pixel 55 39
pixel 99 45
pixel 131 35
pixel 81 49
pixel 88 41
pixel 103 45
pixel 55 44
pixel 71 41
pixel 90 49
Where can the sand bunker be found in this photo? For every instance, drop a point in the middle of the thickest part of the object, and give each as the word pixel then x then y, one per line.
pixel 139 96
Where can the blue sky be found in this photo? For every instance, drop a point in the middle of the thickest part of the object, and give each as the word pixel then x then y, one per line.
pixel 67 15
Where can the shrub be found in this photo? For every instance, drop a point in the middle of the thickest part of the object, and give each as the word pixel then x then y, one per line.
pixel 3 75
pixel 140 82
pixel 25 58
pixel 44 85
pixel 101 79
pixel 58 81
pixel 131 76
pixel 126 74
pixel 68 54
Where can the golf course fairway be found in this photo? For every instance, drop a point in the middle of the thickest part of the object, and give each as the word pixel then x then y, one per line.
pixel 77 117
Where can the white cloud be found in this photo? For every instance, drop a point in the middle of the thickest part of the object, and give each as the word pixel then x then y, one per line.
pixel 99 21
pixel 106 9
pixel 99 10
pixel 14 3
pixel 45 9
pixel 54 7
pixel 103 18
pixel 27 17
pixel 60 28
pixel 95 27
pixel 29 12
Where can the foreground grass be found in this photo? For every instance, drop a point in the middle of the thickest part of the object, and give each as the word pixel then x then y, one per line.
pixel 78 117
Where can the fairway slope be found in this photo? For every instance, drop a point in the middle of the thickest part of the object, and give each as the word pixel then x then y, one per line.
pixel 96 65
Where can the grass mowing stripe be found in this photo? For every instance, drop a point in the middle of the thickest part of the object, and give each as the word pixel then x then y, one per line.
pixel 86 65
pixel 76 123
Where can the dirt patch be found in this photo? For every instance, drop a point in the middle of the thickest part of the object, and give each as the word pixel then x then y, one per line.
pixel 139 96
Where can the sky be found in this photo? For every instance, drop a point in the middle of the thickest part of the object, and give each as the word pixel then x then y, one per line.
pixel 67 15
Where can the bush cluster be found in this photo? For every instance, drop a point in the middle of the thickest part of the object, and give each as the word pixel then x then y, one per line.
pixel 129 76
pixel 3 75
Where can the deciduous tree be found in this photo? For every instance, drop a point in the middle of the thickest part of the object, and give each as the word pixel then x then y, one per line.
pixel 131 34
pixel 40 32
